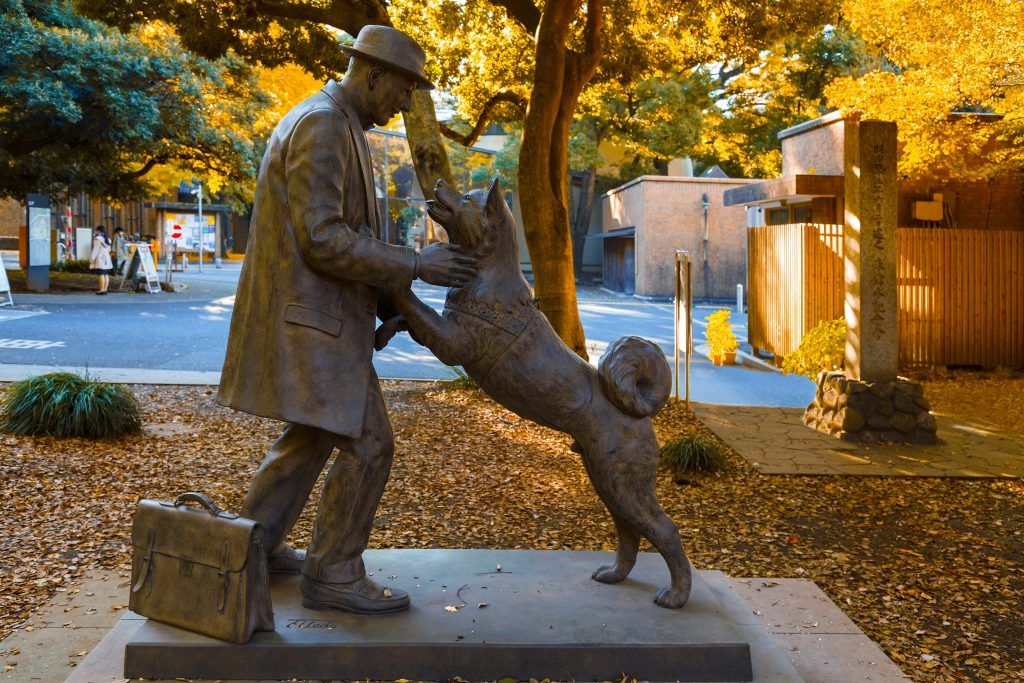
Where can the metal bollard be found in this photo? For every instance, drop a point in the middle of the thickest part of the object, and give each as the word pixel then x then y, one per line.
pixel 739 299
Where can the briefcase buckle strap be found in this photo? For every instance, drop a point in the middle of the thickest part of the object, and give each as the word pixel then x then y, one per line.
pixel 147 570
pixel 225 577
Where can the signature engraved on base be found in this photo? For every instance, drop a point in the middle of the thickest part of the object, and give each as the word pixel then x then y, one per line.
pixel 311 623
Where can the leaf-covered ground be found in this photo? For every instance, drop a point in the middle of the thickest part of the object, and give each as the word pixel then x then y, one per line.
pixel 933 570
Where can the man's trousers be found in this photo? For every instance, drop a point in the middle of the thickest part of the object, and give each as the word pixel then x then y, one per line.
pixel 351 494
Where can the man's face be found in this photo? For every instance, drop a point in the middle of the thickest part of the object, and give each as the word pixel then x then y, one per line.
pixel 390 93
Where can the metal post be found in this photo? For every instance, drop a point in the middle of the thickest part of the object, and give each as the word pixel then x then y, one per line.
pixel 683 313
pixel 739 299
pixel 202 228
pixel 706 204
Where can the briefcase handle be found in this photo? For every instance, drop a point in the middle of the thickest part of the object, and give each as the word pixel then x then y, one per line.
pixel 204 500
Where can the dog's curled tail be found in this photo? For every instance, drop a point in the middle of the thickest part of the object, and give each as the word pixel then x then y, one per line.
pixel 635 376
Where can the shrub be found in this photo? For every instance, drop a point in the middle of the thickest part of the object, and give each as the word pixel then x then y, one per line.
pixel 70 266
pixel 64 404
pixel 692 453
pixel 823 348
pixel 719 334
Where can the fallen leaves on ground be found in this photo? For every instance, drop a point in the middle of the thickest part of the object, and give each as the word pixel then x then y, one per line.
pixel 931 569
pixel 993 397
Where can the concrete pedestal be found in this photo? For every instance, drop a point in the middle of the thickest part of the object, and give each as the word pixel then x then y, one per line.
pixel 540 616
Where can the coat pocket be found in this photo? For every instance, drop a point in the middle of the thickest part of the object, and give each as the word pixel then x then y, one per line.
pixel 309 317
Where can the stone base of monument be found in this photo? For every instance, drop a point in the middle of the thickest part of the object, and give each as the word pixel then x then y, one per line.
pixel 477 615
pixel 871 412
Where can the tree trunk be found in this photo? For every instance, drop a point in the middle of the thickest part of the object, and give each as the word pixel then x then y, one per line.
pixel 581 224
pixel 429 157
pixel 559 76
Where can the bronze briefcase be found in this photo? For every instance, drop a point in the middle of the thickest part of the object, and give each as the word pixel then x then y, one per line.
pixel 203 570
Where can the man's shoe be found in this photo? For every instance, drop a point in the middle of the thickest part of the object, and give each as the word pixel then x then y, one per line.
pixel 361 596
pixel 286 560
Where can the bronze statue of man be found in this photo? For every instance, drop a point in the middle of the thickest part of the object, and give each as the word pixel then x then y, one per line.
pixel 302 330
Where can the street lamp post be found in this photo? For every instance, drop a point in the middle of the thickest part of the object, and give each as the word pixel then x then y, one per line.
pixel 706 204
pixel 198 191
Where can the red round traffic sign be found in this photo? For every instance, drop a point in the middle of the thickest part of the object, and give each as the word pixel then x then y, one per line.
pixel 176 232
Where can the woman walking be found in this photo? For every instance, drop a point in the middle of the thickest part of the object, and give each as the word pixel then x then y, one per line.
pixel 100 262
pixel 120 249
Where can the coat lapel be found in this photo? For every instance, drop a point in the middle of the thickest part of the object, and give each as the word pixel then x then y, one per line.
pixel 333 90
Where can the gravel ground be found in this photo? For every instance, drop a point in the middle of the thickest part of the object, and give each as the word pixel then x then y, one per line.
pixel 931 569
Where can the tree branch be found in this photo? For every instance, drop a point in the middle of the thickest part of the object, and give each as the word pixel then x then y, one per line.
pixel 587 61
pixel 485 115
pixel 347 15
pixel 522 11
pixel 146 168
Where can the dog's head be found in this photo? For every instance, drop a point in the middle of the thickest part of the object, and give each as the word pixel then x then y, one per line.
pixel 479 220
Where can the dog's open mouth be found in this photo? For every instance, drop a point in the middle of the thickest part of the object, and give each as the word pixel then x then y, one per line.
pixel 442 208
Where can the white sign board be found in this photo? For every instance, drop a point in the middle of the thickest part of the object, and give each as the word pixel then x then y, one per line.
pixel 5 287
pixel 38 230
pixel 149 268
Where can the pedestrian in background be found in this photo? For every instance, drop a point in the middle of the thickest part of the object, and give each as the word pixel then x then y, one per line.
pixel 100 262
pixel 120 249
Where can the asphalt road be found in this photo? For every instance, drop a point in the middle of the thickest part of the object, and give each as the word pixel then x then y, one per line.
pixel 188 331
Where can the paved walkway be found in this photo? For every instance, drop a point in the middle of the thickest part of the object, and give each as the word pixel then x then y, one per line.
pixel 776 441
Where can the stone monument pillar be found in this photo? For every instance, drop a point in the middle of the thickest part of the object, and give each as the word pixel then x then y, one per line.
pixel 866 401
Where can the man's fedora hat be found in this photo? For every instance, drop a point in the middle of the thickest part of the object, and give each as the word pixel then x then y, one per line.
pixel 392 49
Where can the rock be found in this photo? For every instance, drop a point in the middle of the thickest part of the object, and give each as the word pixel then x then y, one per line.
pixel 855 387
pixel 881 389
pixel 891 436
pixel 830 398
pixel 840 384
pixel 852 421
pixel 864 402
pixel 843 400
pixel 885 408
pixel 922 403
pixel 878 422
pixel 905 402
pixel 904 422
pixel 927 422
pixel 912 388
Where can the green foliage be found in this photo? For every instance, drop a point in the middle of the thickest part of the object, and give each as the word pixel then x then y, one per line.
pixel 84 107
pixel 692 453
pixel 70 266
pixel 823 348
pixel 719 333
pixel 460 379
pixel 262 33
pixel 64 404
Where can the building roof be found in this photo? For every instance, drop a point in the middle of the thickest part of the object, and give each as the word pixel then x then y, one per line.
pixel 788 187
pixel 618 232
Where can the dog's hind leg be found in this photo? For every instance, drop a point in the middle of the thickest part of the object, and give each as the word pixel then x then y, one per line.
pixel 623 475
pixel 625 555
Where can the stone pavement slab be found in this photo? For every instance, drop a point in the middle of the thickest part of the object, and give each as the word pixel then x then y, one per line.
pixel 776 441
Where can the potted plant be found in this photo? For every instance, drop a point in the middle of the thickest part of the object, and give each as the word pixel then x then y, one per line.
pixel 722 343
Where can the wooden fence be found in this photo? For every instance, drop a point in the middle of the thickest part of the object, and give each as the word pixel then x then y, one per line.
pixel 960 291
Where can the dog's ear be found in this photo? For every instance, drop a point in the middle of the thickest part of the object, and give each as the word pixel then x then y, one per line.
pixel 495 207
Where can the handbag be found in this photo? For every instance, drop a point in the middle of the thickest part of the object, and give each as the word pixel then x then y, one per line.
pixel 200 569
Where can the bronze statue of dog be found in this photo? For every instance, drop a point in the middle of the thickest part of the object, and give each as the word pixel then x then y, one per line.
pixel 493 328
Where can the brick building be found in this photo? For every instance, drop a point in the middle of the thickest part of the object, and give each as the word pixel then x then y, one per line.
pixel 810 189
pixel 646 220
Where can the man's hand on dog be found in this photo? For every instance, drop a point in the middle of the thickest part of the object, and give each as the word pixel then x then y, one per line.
pixel 445 265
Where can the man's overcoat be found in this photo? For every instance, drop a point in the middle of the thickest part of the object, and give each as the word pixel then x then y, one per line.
pixel 301 338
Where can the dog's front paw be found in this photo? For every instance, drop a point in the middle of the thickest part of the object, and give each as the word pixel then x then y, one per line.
pixel 609 573
pixel 672 598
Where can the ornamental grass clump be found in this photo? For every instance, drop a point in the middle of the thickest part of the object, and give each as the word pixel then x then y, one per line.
pixel 821 349
pixel 692 453
pixel 64 404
